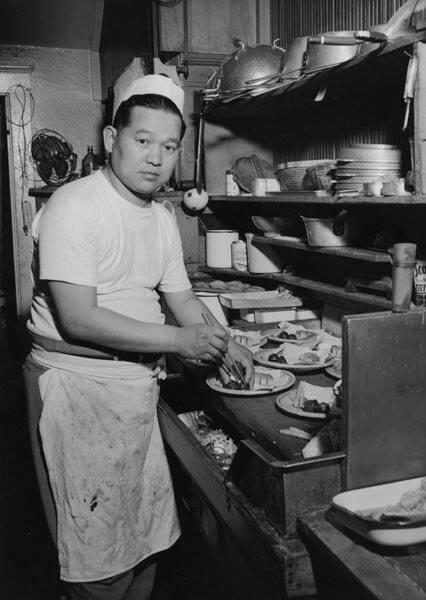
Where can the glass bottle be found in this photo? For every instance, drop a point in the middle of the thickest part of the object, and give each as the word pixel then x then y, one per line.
pixel 89 162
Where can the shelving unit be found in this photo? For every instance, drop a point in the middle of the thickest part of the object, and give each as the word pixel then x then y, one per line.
pixel 390 61
pixel 287 198
pixel 369 73
pixel 324 291
pixel 365 254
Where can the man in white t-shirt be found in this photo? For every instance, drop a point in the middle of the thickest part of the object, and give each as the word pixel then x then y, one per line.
pixel 103 253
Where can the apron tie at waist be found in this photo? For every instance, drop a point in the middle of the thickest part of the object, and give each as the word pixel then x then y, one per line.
pixel 92 352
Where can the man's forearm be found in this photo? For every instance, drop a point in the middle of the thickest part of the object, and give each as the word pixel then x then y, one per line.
pixel 107 328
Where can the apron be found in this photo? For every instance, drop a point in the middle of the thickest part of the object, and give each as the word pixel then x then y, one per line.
pixel 107 468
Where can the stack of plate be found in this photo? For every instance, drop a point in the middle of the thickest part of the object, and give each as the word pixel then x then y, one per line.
pixel 365 163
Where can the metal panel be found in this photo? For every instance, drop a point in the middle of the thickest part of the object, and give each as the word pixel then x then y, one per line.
pixel 385 391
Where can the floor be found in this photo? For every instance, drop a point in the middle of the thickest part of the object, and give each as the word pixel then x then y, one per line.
pixel 28 569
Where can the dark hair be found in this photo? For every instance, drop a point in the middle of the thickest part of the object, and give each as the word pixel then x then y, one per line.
pixel 155 101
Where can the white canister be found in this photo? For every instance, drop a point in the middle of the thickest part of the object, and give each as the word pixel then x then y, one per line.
pixel 262 258
pixel 239 255
pixel 218 247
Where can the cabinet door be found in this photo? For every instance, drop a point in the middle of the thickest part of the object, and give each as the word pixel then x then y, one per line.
pixel 211 25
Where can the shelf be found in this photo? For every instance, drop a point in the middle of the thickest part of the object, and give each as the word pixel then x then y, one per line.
pixel 323 289
pixel 374 256
pixel 358 75
pixel 292 198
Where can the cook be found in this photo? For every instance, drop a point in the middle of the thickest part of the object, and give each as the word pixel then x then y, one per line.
pixel 104 253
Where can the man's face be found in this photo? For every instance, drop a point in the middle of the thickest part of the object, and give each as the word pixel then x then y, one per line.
pixel 145 152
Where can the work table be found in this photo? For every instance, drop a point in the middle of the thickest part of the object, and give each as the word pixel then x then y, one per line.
pixel 347 566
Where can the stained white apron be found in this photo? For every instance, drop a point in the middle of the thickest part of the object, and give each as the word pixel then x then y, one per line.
pixel 107 467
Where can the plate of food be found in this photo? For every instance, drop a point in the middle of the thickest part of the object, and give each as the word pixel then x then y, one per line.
pixel 391 514
pixel 266 381
pixel 309 401
pixel 292 334
pixel 285 357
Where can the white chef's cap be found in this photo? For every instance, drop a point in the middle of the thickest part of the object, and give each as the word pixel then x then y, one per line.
pixel 152 84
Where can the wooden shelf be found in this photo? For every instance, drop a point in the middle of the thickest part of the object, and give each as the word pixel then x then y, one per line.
pixel 374 256
pixel 356 76
pixel 322 289
pixel 283 198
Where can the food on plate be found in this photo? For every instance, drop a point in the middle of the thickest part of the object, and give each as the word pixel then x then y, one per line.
pixel 278 358
pixel 300 399
pixel 314 406
pixel 412 503
pixel 336 353
pixel 231 385
pixel 255 288
pixel 287 336
pixel 217 283
pixel 309 358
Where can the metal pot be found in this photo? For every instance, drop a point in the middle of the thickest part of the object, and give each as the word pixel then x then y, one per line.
pixel 295 58
pixel 250 66
pixel 331 48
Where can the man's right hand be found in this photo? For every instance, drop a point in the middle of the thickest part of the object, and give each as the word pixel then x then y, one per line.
pixel 202 342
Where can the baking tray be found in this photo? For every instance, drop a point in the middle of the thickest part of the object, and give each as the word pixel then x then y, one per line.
pixel 393 532
pixel 269 299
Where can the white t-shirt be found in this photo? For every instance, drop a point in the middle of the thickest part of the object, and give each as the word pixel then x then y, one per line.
pixel 87 234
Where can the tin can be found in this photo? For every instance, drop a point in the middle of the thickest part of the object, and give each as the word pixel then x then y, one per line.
pixel 239 255
pixel 420 282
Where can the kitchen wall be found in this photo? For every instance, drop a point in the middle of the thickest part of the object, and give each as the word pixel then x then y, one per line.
pixel 64 82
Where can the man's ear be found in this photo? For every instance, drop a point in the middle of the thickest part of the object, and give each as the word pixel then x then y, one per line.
pixel 110 135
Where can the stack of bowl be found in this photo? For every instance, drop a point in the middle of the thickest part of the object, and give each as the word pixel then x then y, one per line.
pixel 366 163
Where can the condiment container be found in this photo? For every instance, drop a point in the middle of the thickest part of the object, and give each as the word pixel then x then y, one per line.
pixel 262 258
pixel 404 256
pixel 239 255
pixel 420 281
pixel 218 247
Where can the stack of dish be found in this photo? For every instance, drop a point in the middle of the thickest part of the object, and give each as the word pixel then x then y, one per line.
pixel 365 163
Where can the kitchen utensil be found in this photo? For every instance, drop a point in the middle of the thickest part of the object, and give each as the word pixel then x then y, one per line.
pixel 250 64
pixel 197 198
pixel 409 87
pixel 291 174
pixel 277 226
pixel 403 20
pixel 282 380
pixel 245 173
pixel 334 231
pixel 294 59
pixel 218 247
pixel 231 365
pixel 331 48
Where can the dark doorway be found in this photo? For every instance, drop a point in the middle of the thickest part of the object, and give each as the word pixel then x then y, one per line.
pixel 8 317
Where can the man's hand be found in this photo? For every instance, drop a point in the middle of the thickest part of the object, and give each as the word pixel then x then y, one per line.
pixel 202 342
pixel 242 355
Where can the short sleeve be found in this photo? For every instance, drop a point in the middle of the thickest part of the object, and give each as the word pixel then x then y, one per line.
pixel 67 242
pixel 175 278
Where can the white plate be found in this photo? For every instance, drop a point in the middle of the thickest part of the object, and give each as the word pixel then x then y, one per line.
pixel 286 380
pixel 347 504
pixel 285 403
pixel 261 357
pixel 274 337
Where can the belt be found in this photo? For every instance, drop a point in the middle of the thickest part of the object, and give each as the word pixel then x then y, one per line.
pixel 92 351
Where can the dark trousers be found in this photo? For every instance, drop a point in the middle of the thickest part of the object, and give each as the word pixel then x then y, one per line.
pixel 134 584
